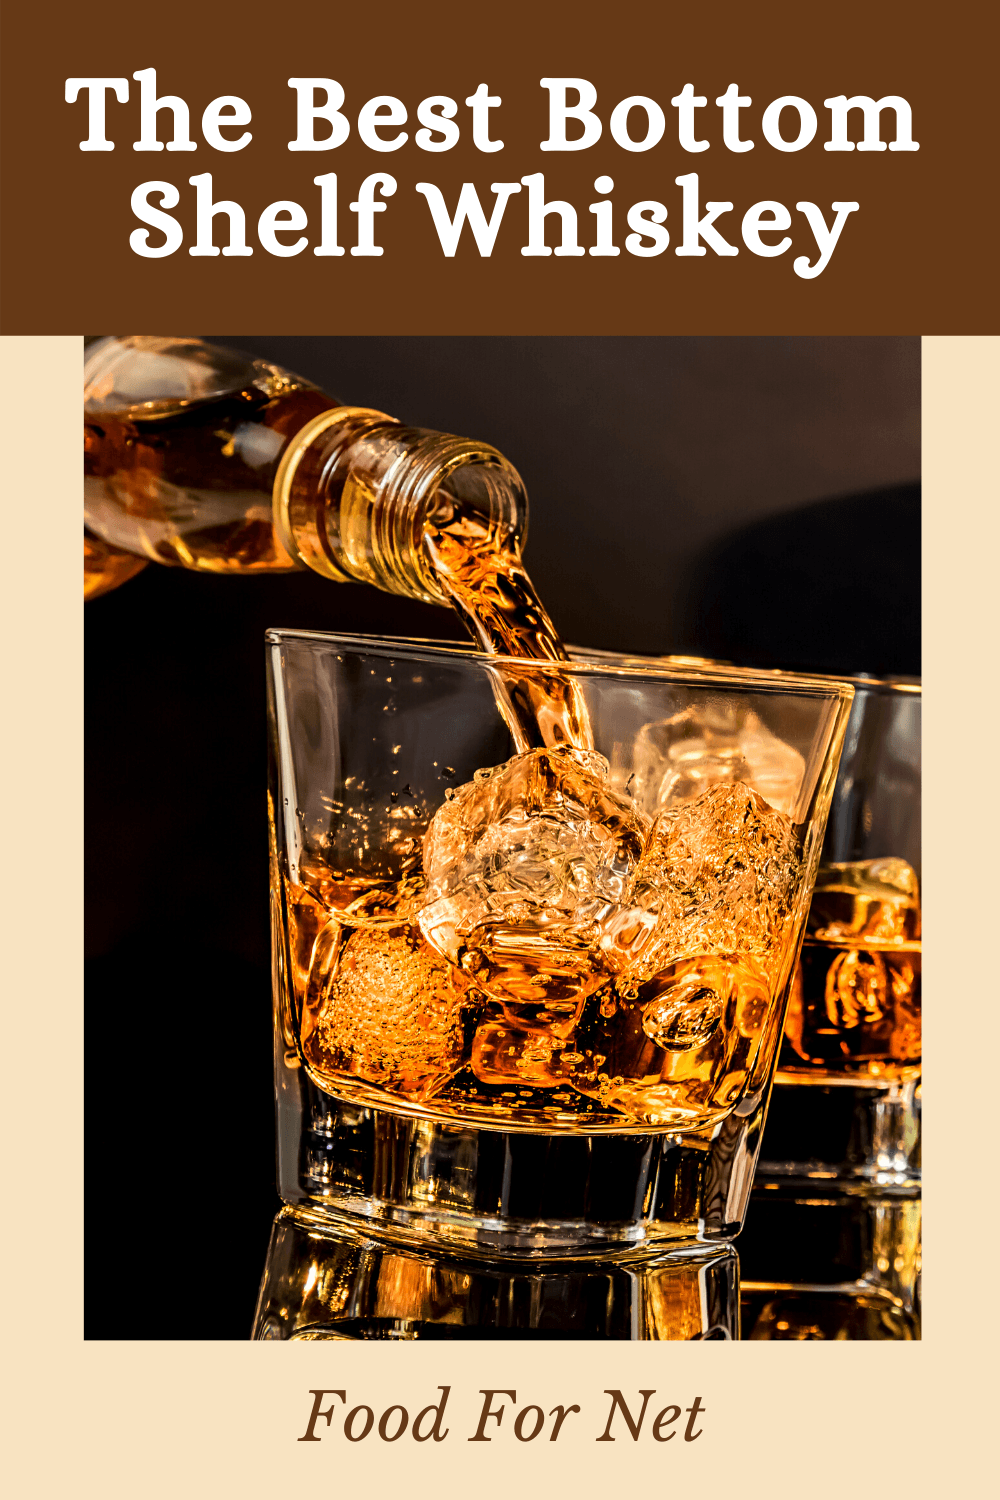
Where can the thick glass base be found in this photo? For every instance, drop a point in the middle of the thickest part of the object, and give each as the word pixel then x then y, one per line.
pixel 510 1193
pixel 839 1128
pixel 327 1279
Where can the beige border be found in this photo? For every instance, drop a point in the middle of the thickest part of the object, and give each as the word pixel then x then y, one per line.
pixel 151 1420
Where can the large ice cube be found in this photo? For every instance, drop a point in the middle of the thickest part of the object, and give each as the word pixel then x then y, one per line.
pixel 391 1013
pixel 720 873
pixel 528 870
pixel 677 1047
pixel 678 758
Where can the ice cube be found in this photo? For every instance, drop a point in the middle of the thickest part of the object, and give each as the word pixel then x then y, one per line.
pixel 685 1011
pixel 777 769
pixel 679 1047
pixel 720 872
pixel 528 869
pixel 517 1055
pixel 678 758
pixel 874 899
pixel 857 990
pixel 391 1014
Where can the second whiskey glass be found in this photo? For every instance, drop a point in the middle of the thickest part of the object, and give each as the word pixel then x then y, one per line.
pixel 835 1213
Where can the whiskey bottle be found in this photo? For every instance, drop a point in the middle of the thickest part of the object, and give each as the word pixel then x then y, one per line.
pixel 203 457
pixel 105 567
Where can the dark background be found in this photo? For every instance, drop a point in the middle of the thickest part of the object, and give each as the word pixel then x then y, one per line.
pixel 755 499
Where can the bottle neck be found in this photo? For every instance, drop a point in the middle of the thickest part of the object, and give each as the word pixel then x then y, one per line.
pixel 356 490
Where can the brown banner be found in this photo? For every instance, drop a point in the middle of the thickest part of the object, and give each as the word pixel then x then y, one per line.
pixel 912 256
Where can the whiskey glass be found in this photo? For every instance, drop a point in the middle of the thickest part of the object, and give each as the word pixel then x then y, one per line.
pixel 835 1213
pixel 528 1006
pixel 847 1087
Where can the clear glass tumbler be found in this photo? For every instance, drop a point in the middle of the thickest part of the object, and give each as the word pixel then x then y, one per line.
pixel 847 1094
pixel 529 1005
pixel 836 1202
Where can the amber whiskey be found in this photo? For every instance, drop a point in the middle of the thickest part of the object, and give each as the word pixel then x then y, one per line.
pixel 854 1010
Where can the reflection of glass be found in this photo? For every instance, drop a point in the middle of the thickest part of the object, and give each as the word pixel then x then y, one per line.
pixel 832 1256
pixel 327 1281
pixel 533 1008
pixel 808 1314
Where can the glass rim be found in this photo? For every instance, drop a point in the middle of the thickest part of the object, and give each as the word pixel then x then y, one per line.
pixel 860 681
pixel 415 648
pixel 910 685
